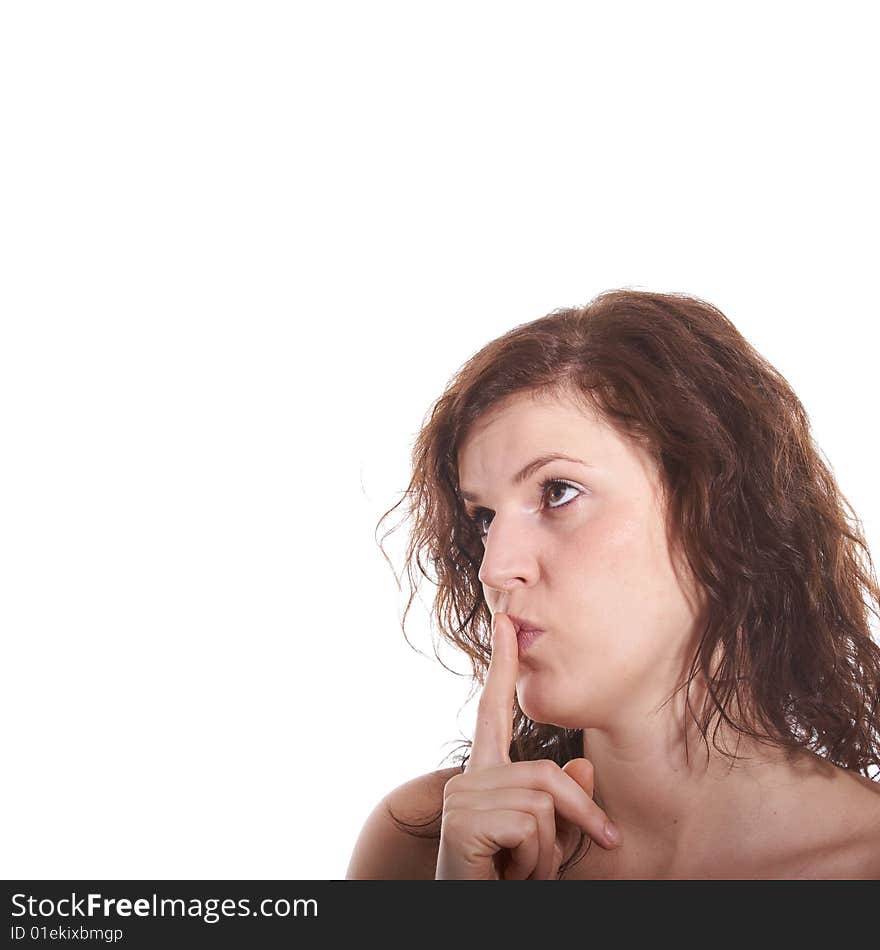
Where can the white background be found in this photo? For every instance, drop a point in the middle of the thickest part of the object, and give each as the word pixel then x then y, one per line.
pixel 244 247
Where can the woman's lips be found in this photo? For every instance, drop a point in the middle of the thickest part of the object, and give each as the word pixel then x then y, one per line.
pixel 526 632
pixel 525 638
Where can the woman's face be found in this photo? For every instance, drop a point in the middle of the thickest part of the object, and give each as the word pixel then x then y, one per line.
pixel 584 558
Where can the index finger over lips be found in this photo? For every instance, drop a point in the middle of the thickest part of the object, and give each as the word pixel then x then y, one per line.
pixel 494 728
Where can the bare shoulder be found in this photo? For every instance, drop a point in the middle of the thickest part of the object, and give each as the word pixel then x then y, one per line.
pixel 847 820
pixel 865 817
pixel 401 836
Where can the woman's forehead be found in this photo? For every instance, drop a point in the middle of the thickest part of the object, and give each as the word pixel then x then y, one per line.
pixel 539 426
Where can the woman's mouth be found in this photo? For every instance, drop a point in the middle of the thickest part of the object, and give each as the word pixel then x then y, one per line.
pixel 526 633
pixel 525 638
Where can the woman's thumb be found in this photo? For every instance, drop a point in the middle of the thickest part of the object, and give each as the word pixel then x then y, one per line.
pixel 581 770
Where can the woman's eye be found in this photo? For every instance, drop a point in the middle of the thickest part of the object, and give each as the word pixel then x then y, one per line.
pixel 551 487
pixel 477 519
pixel 564 486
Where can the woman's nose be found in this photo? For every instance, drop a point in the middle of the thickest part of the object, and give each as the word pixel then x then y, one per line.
pixel 508 555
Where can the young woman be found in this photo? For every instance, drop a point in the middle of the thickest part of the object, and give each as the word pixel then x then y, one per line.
pixel 638 545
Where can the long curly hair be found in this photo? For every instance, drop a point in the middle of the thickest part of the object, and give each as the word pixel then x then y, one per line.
pixel 774 545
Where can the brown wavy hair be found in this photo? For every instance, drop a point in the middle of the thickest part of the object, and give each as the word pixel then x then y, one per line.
pixel 769 537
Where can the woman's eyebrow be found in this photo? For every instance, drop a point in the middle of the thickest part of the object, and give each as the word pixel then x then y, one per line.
pixel 530 469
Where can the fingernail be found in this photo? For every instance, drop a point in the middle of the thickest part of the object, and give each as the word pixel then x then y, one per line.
pixel 612 833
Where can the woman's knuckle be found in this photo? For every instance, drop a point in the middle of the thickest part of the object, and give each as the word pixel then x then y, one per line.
pixel 547 803
pixel 537 800
pixel 526 827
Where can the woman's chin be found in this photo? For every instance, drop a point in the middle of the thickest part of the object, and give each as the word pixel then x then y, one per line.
pixel 548 710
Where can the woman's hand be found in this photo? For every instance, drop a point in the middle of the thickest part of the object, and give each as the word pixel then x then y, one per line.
pixel 506 820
